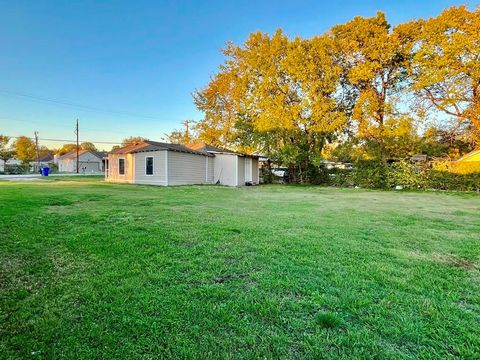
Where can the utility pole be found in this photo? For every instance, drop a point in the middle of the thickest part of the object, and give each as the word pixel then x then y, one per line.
pixel 76 133
pixel 38 154
pixel 186 123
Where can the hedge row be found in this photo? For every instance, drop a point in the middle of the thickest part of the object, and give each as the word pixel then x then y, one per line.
pixel 407 175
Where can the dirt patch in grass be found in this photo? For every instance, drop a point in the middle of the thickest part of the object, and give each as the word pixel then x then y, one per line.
pixel 446 259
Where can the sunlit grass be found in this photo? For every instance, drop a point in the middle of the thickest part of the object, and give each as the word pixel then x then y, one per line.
pixel 91 270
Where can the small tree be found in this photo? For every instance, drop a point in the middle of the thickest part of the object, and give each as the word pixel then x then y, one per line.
pixel 6 152
pixel 88 146
pixel 66 148
pixel 25 149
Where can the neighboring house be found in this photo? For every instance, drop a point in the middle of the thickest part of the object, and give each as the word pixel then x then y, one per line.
pixel 157 163
pixel 473 156
pixel 11 161
pixel 89 161
pixel 45 160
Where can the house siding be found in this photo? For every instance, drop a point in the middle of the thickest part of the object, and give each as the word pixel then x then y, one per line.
pixel 184 168
pixel 255 171
pixel 241 171
pixel 225 167
pixel 211 170
pixel 158 177
pixel 113 175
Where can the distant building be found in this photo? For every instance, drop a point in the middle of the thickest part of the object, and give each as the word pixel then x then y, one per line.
pixel 419 157
pixel 44 160
pixel 11 161
pixel 88 162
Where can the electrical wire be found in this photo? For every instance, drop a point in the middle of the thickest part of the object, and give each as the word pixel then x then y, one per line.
pixel 71 104
pixel 65 140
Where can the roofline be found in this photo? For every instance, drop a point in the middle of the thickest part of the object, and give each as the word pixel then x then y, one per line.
pixel 175 150
pixel 115 152
pixel 83 151
pixel 234 153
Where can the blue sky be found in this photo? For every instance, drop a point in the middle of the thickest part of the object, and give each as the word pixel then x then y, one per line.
pixel 132 65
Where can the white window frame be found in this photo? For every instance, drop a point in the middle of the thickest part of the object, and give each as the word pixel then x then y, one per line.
pixel 153 165
pixel 124 169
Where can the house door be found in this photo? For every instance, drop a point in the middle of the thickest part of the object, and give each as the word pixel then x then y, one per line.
pixel 248 170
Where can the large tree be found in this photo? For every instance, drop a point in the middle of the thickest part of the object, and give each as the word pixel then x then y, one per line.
pixel 446 67
pixel 376 60
pixel 277 96
pixel 25 149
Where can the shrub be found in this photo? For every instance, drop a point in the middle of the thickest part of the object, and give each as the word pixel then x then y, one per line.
pixel 370 174
pixel 408 175
pixel 53 168
pixel 373 175
pixel 341 178
pixel 11 169
pixel 317 175
pixel 443 180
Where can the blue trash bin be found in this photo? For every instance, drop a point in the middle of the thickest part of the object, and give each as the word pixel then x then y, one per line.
pixel 45 171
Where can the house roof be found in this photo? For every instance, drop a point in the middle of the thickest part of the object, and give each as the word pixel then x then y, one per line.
pixel 148 145
pixel 213 149
pixel 46 158
pixel 470 155
pixel 73 154
pixel 206 147
pixel 101 154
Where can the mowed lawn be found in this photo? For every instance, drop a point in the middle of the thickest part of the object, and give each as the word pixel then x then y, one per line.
pixel 95 270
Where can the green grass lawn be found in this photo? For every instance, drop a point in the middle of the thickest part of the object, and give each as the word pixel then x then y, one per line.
pixel 95 270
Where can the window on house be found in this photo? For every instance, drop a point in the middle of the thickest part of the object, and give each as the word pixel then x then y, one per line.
pixel 121 166
pixel 149 165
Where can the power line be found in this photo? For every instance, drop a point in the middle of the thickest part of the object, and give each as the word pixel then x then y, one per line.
pixel 64 125
pixel 71 104
pixel 67 141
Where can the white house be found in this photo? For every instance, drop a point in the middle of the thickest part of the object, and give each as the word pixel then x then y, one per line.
pixel 45 160
pixel 11 161
pixel 88 161
pixel 156 163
